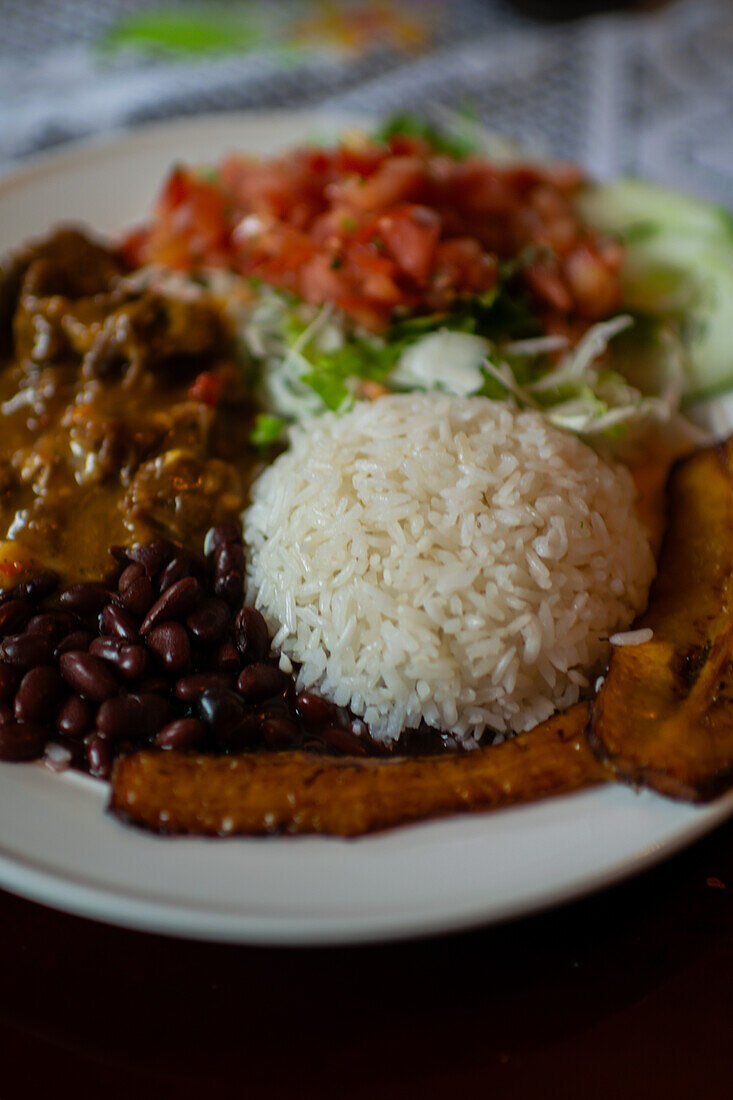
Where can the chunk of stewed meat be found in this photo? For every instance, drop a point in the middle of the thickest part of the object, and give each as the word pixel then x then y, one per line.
pixel 177 492
pixel 154 332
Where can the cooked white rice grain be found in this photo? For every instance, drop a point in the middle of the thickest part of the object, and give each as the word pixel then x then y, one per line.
pixel 632 637
pixel 446 559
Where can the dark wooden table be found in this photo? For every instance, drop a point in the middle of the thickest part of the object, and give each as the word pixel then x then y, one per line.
pixel 626 994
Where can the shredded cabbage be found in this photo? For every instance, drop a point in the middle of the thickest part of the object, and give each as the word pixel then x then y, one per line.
pixel 583 395
pixel 312 359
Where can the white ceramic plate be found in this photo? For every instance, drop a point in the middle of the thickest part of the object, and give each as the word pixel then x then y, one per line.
pixel 57 844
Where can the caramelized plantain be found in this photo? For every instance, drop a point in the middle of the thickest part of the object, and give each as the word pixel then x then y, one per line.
pixel 292 792
pixel 664 716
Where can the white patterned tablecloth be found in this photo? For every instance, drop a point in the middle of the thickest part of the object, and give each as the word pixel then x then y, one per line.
pixel 649 93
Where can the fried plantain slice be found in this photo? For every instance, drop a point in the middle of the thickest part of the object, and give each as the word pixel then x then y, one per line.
pixel 292 792
pixel 664 716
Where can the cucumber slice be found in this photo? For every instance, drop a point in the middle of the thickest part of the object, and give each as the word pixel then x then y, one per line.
pixel 678 268
pixel 636 209
pixel 703 270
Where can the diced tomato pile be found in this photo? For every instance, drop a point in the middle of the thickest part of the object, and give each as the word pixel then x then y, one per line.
pixel 373 228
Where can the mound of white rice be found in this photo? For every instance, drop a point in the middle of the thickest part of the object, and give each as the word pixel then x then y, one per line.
pixel 446 559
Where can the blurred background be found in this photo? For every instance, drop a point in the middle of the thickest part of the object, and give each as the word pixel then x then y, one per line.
pixel 630 87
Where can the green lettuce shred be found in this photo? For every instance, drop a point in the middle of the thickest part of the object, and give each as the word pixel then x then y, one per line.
pixel 267 430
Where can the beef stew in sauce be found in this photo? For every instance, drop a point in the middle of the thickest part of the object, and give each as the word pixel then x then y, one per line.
pixel 122 411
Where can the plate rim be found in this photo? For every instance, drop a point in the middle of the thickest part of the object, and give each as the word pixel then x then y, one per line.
pixel 107 142
pixel 120 908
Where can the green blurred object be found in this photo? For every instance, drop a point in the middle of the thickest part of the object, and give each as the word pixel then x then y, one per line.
pixel 267 430
pixel 201 30
pixel 459 142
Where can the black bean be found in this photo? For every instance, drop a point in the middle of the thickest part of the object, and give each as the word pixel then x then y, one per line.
pixel 280 733
pixel 169 643
pixel 117 621
pixel 178 567
pixel 21 741
pixel 230 587
pixel 259 682
pixel 55 624
pixel 251 635
pixel 208 623
pixel 34 588
pixel 121 717
pixel 138 596
pixel 107 647
pixel 120 554
pixel 227 658
pixel 6 713
pixel 129 574
pixel 152 684
pixel 175 603
pixel 153 555
pixel 27 650
pixel 132 663
pixel 13 616
pixel 229 558
pixel 113 573
pixel 41 586
pixel 192 687
pixel 220 535
pixel 45 623
pixel 9 680
pixel 80 640
pixel 130 660
pixel 336 737
pixel 38 695
pixel 100 755
pixel 185 733
pixel 74 717
pixel 86 598
pixel 89 675
pixel 222 710
pixel 317 747
pixel 315 710
pixel 156 711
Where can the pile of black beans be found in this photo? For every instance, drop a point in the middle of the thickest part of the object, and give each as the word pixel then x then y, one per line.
pixel 165 654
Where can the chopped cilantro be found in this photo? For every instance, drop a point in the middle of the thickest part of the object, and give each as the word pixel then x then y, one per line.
pixel 454 145
pixel 330 387
pixel 267 430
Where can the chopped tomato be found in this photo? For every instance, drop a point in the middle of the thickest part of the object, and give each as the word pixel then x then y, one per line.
pixel 366 312
pixel 358 161
pixel 411 234
pixel 206 387
pixel 13 567
pixel 483 190
pixel 191 222
pixel 593 283
pixel 399 179
pixel 461 262
pixel 401 145
pixel 321 281
pixel 375 228
pixel 547 283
